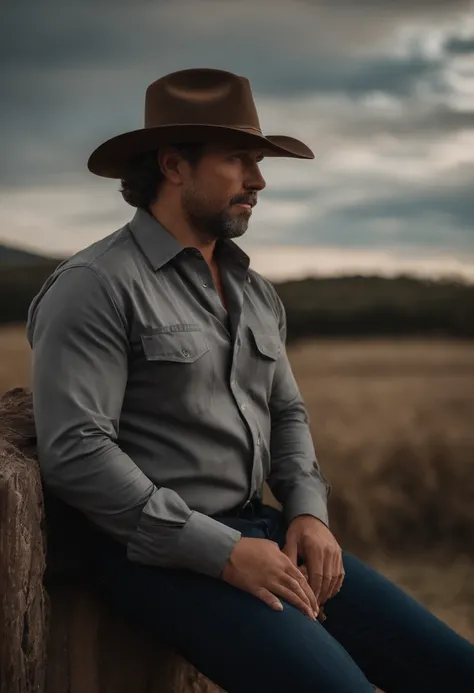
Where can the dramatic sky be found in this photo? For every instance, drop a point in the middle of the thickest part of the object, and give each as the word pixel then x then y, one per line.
pixel 382 91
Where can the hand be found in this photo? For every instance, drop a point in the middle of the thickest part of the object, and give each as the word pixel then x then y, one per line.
pixel 309 538
pixel 321 616
pixel 259 566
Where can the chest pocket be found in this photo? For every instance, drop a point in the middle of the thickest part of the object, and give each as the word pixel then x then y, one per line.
pixel 177 347
pixel 264 350
pixel 178 368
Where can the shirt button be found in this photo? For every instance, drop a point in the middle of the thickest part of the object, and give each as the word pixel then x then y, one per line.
pixel 243 407
pixel 185 353
pixel 258 440
pixel 204 285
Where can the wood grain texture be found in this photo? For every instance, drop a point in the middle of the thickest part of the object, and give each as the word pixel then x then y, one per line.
pixel 56 635
pixel 23 600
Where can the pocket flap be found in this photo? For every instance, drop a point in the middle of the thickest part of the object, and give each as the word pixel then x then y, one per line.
pixel 268 345
pixel 178 347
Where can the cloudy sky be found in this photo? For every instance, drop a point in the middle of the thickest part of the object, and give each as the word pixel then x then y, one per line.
pixel 381 90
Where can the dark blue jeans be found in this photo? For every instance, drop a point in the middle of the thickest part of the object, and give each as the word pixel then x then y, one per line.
pixel 374 632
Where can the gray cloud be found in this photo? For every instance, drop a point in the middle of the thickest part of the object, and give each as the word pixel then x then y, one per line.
pixel 439 216
pixel 74 74
pixel 460 46
pixel 455 205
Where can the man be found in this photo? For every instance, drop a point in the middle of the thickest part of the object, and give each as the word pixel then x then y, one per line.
pixel 164 400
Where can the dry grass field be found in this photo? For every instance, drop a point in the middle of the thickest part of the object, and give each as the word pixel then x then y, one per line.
pixel 393 427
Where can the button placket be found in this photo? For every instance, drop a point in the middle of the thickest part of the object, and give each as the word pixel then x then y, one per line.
pixel 257 456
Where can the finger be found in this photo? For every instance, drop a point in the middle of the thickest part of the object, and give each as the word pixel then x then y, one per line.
pixel 269 598
pixel 332 588
pixel 326 589
pixel 304 571
pixel 292 598
pixel 305 586
pixel 330 570
pixel 339 582
pixel 291 550
pixel 310 594
pixel 296 587
pixel 303 590
pixel 322 616
pixel 339 573
pixel 337 569
pixel 314 563
pixel 316 583
pixel 315 578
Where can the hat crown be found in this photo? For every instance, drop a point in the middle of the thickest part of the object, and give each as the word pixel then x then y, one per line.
pixel 199 96
pixel 195 105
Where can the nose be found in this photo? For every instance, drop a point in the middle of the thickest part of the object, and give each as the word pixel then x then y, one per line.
pixel 255 180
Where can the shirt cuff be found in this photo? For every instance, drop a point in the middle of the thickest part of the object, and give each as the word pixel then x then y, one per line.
pixel 304 500
pixel 196 542
pixel 205 544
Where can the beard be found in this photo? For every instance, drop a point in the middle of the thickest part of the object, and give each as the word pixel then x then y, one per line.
pixel 212 225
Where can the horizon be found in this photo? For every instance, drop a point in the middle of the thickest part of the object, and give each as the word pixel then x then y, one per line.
pixel 298 265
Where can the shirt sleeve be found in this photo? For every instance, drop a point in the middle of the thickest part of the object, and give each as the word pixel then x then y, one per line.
pixel 296 479
pixel 80 352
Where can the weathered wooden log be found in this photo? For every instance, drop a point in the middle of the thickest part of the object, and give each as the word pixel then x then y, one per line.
pixel 56 634
pixel 23 600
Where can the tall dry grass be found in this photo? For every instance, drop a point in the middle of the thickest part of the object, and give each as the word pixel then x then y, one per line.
pixel 393 428
pixel 14 358
pixel 393 425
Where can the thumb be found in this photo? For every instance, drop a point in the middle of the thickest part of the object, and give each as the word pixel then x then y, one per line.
pixel 291 550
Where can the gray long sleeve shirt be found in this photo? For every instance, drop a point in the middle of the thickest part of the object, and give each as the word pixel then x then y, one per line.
pixel 155 407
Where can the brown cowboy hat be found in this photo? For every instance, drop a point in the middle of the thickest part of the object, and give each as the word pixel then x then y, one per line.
pixel 198 105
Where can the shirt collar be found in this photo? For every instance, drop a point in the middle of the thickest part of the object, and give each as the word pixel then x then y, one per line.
pixel 159 246
pixel 155 242
pixel 228 250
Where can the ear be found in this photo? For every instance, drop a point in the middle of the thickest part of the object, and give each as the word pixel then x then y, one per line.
pixel 171 164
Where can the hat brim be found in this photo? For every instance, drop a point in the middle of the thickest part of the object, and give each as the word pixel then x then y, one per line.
pixel 110 159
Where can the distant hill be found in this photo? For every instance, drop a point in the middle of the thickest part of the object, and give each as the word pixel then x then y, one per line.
pixel 322 307
pixel 14 257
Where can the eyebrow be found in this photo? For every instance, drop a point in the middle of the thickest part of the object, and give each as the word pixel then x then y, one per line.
pixel 247 151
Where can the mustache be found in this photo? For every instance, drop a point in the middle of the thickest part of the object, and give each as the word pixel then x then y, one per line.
pixel 244 200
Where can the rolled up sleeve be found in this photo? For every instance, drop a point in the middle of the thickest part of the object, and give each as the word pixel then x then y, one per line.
pixel 80 354
pixel 296 479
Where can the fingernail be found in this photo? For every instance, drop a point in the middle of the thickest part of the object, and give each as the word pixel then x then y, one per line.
pixel 278 606
pixel 316 614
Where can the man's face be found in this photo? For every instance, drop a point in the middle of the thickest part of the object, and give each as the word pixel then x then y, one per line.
pixel 220 191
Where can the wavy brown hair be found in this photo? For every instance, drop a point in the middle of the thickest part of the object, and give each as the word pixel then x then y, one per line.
pixel 141 182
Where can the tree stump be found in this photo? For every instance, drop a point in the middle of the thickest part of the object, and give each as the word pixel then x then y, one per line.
pixel 56 634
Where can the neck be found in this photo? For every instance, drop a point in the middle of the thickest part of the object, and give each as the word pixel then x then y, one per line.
pixel 174 222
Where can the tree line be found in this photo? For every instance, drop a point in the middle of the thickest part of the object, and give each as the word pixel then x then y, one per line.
pixel 348 306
